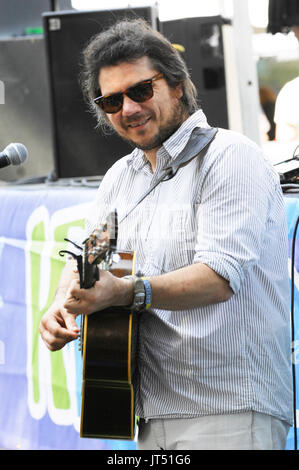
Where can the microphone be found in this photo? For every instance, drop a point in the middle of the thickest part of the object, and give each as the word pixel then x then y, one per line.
pixel 14 154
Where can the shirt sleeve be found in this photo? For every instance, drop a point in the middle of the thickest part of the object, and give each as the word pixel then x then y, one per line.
pixel 232 212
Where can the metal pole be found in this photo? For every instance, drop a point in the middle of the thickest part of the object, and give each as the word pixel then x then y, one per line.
pixel 241 71
pixel 247 71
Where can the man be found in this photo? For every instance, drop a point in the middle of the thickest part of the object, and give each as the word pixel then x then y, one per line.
pixel 214 354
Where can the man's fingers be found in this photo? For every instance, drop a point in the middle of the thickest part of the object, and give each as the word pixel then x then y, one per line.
pixel 70 322
pixel 57 330
pixel 54 343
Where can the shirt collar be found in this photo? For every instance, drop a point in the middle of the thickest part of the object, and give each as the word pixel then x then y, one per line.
pixel 174 144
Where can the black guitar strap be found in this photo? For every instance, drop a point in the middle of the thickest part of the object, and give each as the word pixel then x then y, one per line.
pixel 196 146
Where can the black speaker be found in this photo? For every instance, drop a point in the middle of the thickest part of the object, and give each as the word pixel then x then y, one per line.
pixel 79 149
pixel 201 45
pixel 25 113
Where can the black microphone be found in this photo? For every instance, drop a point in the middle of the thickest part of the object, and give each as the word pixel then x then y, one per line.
pixel 14 154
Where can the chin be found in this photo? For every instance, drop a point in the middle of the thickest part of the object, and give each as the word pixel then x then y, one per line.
pixel 145 145
pixel 149 146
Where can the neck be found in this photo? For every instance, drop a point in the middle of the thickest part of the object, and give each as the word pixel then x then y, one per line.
pixel 151 156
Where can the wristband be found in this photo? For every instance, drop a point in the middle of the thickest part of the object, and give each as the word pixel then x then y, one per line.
pixel 142 293
pixel 139 293
pixel 148 293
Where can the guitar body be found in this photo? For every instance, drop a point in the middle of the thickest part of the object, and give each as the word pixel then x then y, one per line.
pixel 109 339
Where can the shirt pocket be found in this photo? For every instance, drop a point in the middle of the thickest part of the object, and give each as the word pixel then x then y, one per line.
pixel 173 238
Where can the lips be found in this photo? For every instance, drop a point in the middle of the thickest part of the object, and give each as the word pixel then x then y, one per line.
pixel 139 123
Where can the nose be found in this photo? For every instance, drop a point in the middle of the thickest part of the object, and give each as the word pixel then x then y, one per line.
pixel 130 107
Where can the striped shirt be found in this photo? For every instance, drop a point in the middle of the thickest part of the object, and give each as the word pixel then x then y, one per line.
pixel 225 210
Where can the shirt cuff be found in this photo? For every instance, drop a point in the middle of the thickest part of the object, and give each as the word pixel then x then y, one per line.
pixel 225 266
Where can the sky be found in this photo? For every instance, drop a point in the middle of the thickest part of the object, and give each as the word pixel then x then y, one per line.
pixel 171 9
pixel 281 46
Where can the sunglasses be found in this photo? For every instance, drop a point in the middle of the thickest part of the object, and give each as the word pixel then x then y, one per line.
pixel 139 93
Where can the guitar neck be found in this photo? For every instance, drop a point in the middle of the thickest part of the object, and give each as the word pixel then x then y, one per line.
pixel 89 272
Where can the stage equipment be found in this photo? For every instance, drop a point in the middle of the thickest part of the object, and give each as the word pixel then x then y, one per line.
pixel 80 150
pixel 19 17
pixel 288 171
pixel 13 154
pixel 25 110
pixel 201 43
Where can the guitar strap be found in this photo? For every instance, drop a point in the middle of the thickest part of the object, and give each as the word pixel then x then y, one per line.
pixel 196 146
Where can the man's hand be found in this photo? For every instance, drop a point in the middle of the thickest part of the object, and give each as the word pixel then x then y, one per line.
pixel 107 292
pixel 58 327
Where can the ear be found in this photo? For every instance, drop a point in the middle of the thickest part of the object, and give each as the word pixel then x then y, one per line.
pixel 179 91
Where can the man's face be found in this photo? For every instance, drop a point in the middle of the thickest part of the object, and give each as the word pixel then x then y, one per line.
pixel 145 125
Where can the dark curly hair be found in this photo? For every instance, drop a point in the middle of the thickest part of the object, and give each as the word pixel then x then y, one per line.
pixel 128 41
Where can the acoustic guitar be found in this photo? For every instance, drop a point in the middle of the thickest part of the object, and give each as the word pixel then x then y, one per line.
pixel 108 343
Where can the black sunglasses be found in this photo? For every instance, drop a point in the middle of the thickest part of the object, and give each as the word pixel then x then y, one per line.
pixel 139 93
